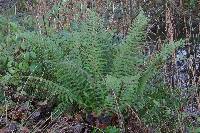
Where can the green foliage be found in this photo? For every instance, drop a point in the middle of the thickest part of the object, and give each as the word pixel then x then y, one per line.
pixel 90 48
pixel 112 130
pixel 130 76
pixel 161 105
pixel 93 43
pixel 2 97
pixel 129 55
pixel 193 3
pixel 83 67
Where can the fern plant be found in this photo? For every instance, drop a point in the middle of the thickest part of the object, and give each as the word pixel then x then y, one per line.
pixel 89 48
pixel 85 68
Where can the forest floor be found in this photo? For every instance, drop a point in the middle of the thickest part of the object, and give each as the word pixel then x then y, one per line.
pixel 26 114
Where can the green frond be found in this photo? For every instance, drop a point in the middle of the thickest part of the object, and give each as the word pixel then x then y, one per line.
pixel 93 42
pixel 129 55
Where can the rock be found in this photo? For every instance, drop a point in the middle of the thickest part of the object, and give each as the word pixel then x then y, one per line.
pixel 12 127
pixel 36 116
pixel 78 128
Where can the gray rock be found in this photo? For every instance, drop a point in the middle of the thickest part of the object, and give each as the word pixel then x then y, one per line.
pixel 77 128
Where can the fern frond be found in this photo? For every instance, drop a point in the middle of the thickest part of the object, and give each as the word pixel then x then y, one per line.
pixel 80 83
pixel 129 55
pixel 93 42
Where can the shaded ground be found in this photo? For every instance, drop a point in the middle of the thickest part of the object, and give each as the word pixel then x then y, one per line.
pixel 25 114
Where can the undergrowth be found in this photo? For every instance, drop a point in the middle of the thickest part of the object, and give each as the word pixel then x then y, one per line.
pixel 86 68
